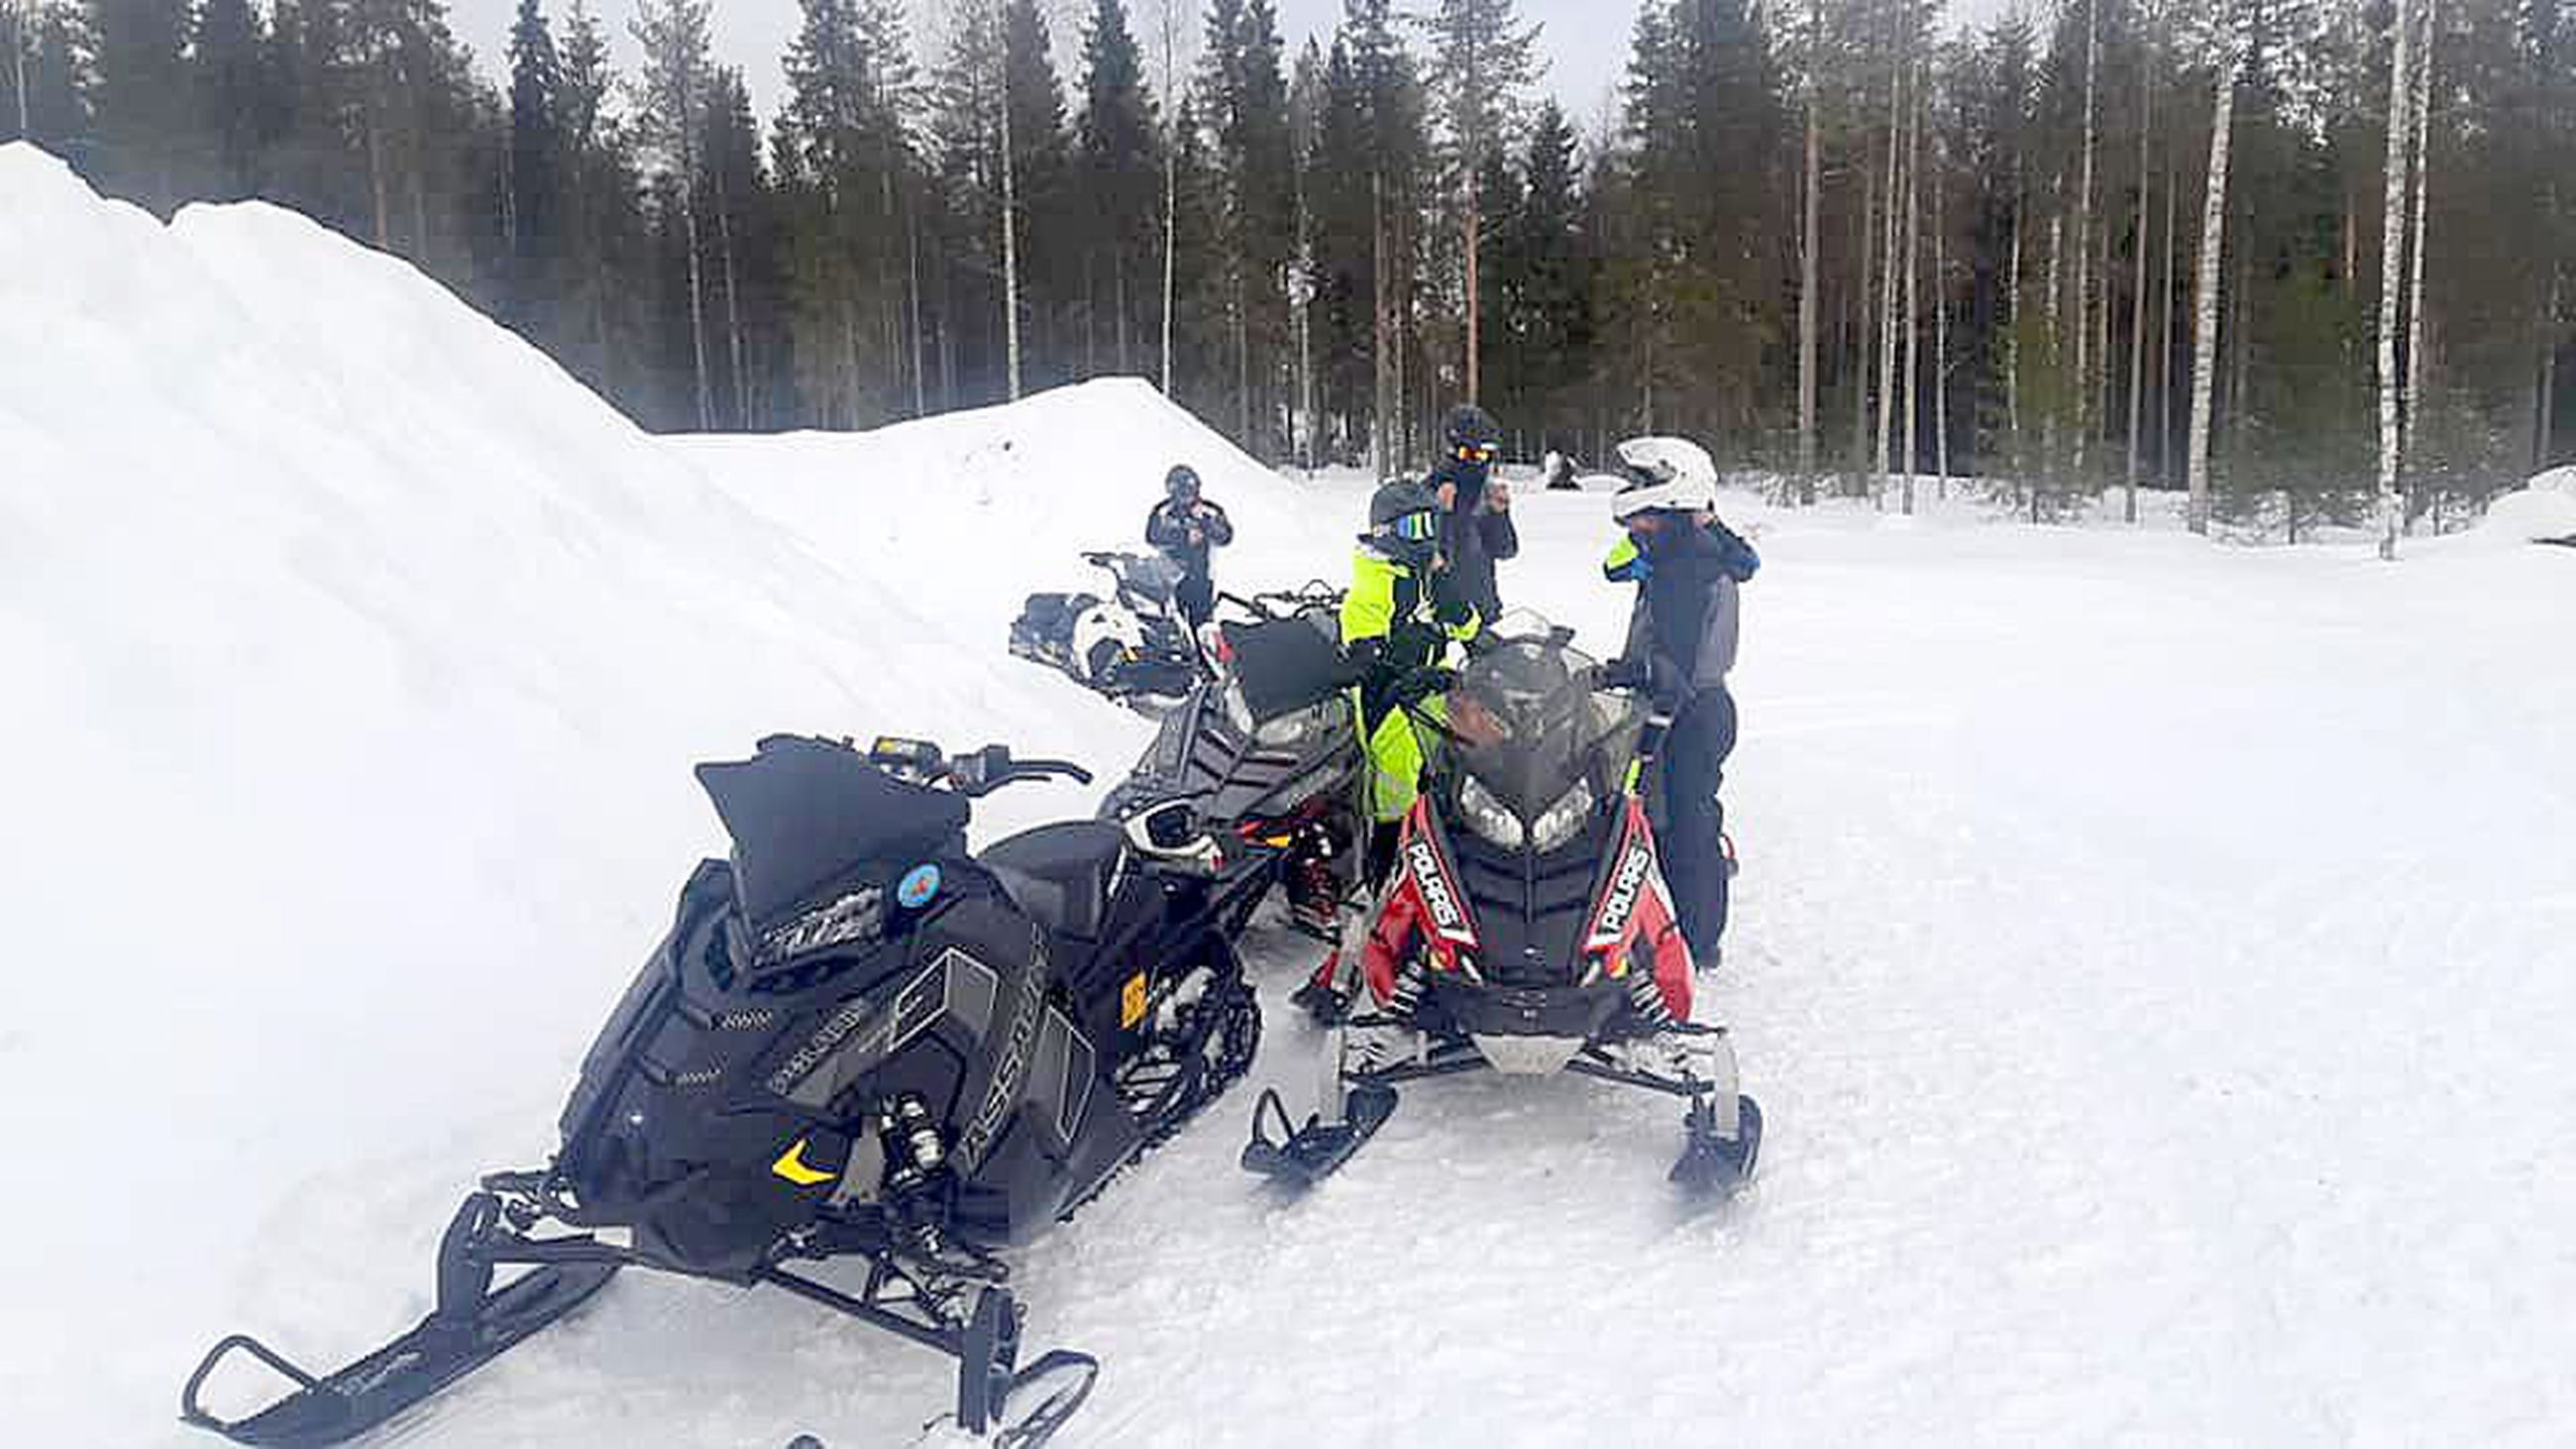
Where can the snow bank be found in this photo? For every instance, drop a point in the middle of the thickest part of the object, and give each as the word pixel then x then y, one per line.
pixel 2542 510
pixel 357 657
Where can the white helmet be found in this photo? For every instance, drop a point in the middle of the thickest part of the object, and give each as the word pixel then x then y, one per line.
pixel 1672 475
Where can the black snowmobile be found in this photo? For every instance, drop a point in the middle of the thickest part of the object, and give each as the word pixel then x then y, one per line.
pixel 1131 645
pixel 1524 926
pixel 1265 752
pixel 858 1041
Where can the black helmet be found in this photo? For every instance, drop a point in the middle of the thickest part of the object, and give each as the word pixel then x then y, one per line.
pixel 1404 521
pixel 1471 430
pixel 1182 482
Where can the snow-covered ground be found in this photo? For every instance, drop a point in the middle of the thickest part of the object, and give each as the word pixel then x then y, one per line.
pixel 2156 960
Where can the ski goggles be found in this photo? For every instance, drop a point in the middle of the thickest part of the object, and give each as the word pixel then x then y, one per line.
pixel 1415 527
pixel 1476 453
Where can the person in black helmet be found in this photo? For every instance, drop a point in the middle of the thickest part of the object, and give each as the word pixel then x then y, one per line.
pixel 1185 527
pixel 1476 528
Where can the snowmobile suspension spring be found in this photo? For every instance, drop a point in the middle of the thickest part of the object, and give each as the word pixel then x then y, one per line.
pixel 1648 995
pixel 1410 981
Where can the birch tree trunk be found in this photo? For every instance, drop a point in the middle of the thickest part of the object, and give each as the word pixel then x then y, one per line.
pixel 733 304
pixel 2165 338
pixel 1940 326
pixel 1382 414
pixel 1806 264
pixel 912 267
pixel 2138 299
pixel 1913 295
pixel 1475 298
pixel 2415 362
pixel 2084 242
pixel 1887 301
pixel 2213 241
pixel 19 12
pixel 2392 256
pixel 1171 190
pixel 1865 249
pixel 2012 331
pixel 1010 236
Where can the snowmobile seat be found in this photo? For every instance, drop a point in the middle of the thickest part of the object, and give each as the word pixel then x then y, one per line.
pixel 1061 874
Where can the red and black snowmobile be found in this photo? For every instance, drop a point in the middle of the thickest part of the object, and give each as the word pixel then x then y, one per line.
pixel 1524 925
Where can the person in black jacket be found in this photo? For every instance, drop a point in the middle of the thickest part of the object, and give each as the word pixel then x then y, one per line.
pixel 1185 527
pixel 1476 527
pixel 1681 643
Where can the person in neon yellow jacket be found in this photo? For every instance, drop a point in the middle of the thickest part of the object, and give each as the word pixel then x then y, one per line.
pixel 1400 640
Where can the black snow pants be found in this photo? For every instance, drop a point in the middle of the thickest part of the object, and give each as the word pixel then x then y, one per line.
pixel 1693 763
pixel 1196 596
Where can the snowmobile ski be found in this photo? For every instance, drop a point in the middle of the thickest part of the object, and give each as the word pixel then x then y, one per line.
pixel 1713 1165
pixel 1307 1155
pixel 472 1325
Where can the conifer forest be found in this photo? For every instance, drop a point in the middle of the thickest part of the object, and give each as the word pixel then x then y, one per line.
pixel 2309 260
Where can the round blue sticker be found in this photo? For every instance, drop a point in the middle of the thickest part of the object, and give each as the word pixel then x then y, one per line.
pixel 918 885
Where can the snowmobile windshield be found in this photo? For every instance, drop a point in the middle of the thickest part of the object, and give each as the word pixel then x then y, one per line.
pixel 1148 578
pixel 1528 726
pixel 810 818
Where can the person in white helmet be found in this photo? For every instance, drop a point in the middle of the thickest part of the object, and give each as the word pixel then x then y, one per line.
pixel 1688 568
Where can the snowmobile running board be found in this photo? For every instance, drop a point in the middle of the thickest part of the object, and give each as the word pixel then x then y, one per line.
pixel 473 1323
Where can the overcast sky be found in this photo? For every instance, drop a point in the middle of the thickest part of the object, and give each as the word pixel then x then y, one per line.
pixel 1585 42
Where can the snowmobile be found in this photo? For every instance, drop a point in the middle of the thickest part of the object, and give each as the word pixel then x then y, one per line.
pixel 1265 751
pixel 1132 646
pixel 860 1042
pixel 1524 926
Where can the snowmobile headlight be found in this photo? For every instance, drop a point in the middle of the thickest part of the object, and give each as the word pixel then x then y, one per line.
pixel 1292 731
pixel 1238 711
pixel 1557 824
pixel 1486 815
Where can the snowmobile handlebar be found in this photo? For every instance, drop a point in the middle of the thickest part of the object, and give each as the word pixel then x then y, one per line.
pixel 974 774
pixel 981 772
pixel 1273 605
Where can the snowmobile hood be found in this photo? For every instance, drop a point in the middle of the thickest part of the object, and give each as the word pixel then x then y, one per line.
pixel 807 815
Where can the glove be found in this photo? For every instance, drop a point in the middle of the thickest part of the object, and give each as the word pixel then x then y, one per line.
pixel 1625 674
pixel 1420 684
pixel 1453 613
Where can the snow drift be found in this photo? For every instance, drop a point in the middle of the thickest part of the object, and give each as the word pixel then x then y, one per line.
pixel 2156 961
pixel 357 658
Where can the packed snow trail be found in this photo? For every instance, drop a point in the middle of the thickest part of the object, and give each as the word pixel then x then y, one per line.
pixel 2154 960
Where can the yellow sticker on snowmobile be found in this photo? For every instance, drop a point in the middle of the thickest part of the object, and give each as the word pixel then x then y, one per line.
pixel 1131 1002
pixel 791 1166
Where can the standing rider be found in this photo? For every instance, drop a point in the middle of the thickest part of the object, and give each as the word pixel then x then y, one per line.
pixel 1476 528
pixel 1681 642
pixel 1185 526
pixel 1399 637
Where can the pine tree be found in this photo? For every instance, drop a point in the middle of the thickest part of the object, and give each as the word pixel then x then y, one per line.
pixel 535 189
pixel 142 102
pixel 671 106
pixel 1483 61
pixel 230 91
pixel 1121 176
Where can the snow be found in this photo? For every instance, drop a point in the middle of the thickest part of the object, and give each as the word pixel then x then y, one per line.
pixel 2155 960
pixel 2541 511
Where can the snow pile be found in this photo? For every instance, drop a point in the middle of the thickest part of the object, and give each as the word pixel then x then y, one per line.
pixel 2542 510
pixel 980 508
pixel 357 657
